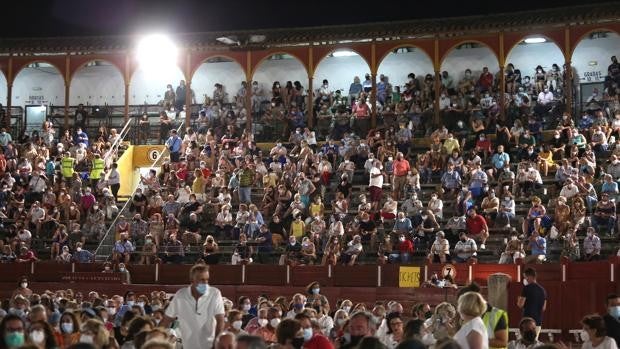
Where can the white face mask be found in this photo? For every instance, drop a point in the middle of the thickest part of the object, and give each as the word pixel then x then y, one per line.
pixel 237 324
pixel 274 322
pixel 24 285
pixel 37 336
pixel 525 282
pixel 263 322
pixel 584 336
pixel 341 321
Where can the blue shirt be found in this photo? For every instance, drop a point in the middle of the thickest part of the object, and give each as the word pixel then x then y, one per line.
pixel 174 142
pixel 83 257
pixel 81 138
pixel 499 160
pixel 539 247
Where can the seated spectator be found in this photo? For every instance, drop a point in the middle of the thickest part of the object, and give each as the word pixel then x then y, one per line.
pixel 465 249
pixel 403 251
pixel 440 250
pixel 605 214
pixel 528 338
pixel 350 254
pixel 514 250
pixel 243 252
pixel 591 245
pixel 477 227
pixel 123 249
pixel 173 250
pixel 538 249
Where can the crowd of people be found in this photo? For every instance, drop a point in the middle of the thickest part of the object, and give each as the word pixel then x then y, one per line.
pixel 198 316
pixel 372 195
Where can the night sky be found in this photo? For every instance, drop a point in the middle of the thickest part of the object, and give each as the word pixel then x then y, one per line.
pixel 46 18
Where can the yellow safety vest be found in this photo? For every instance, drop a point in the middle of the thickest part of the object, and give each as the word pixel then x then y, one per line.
pixel 98 167
pixel 491 318
pixel 66 166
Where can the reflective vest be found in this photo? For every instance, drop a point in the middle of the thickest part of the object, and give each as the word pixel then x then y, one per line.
pixel 491 318
pixel 66 166
pixel 98 167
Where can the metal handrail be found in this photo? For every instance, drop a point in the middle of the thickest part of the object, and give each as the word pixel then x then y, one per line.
pixel 112 227
pixel 118 141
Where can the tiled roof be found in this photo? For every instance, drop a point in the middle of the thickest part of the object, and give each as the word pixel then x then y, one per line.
pixel 443 27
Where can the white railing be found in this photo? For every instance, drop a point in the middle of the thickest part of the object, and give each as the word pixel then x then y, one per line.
pixel 104 249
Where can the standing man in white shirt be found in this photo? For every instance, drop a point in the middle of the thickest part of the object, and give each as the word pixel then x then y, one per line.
pixel 199 308
pixel 375 186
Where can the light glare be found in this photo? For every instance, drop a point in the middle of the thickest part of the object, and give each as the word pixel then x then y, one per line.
pixel 344 53
pixel 535 40
pixel 157 52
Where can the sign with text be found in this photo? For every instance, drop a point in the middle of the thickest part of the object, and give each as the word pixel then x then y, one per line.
pixel 98 277
pixel 409 277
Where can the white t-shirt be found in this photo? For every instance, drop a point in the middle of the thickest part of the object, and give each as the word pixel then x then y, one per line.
pixel 196 317
pixel 477 325
pixel 608 343
pixel 377 181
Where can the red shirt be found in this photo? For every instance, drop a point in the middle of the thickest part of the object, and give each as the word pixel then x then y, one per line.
pixel 486 80
pixel 476 224
pixel 318 341
pixel 401 167
pixel 484 145
pixel 405 246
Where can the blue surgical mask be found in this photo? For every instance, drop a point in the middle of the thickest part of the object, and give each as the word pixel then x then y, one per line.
pixel 307 334
pixel 316 290
pixel 67 327
pixel 130 303
pixel 615 311
pixel 202 288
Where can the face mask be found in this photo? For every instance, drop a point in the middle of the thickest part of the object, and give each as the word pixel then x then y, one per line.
pixel 298 342
pixel 140 304
pixel 316 290
pixel 307 334
pixel 584 336
pixel 67 327
pixel 37 336
pixel 346 308
pixel 525 282
pixel 424 218
pixel 615 311
pixel 112 311
pixel 202 288
pixel 237 324
pixel 246 307
pixel 85 338
pixel 14 339
pixel 263 322
pixel 122 270
pixel 513 238
pixel 79 249
pixel 24 285
pixel 274 322
pixel 556 136
pixel 529 336
pixel 130 303
pixel 341 321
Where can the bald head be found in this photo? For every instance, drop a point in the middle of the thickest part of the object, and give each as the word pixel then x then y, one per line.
pixel 225 340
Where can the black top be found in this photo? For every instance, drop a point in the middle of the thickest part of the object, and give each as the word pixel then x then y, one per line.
pixel 613 327
pixel 535 297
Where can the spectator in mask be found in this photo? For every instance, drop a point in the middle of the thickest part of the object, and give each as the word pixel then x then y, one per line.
pixel 527 335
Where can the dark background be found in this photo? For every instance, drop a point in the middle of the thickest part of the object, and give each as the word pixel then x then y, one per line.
pixel 48 18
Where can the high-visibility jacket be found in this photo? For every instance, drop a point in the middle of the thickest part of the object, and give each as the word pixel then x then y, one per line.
pixel 98 167
pixel 491 319
pixel 66 166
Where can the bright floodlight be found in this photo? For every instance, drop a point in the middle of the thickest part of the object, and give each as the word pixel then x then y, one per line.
pixel 157 52
pixel 535 40
pixel 344 53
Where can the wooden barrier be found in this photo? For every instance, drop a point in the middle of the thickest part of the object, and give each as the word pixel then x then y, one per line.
pixel 92 277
